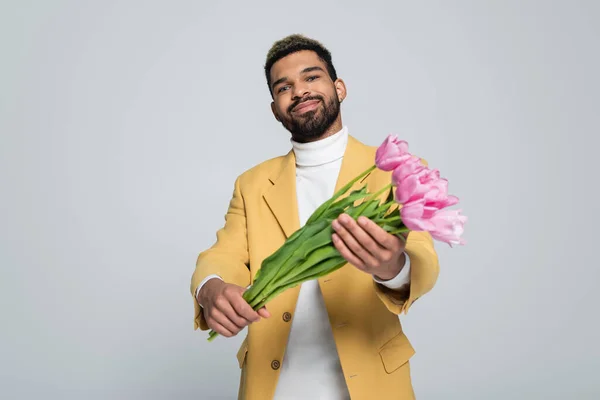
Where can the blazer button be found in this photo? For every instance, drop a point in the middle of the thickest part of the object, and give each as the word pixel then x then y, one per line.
pixel 275 364
pixel 287 316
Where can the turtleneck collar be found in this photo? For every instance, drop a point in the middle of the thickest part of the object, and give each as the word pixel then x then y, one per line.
pixel 322 151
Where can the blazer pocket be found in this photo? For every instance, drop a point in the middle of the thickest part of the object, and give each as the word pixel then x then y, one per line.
pixel 396 352
pixel 241 354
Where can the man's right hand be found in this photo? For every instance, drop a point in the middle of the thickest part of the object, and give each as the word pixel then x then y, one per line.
pixel 225 310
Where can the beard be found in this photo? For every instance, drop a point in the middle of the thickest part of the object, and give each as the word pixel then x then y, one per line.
pixel 312 124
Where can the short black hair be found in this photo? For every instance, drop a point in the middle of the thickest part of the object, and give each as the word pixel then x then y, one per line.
pixel 293 43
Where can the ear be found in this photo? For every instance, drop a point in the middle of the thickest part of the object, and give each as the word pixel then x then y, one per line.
pixel 340 89
pixel 274 111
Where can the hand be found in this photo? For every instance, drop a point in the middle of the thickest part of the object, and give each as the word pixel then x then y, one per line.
pixel 368 247
pixel 225 310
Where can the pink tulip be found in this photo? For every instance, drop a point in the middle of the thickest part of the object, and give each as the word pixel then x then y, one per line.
pixel 437 198
pixel 424 196
pixel 443 225
pixel 415 186
pixel 412 216
pixel 449 226
pixel 391 153
pixel 407 167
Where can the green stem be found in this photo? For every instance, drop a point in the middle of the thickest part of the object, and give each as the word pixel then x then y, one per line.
pixel 318 255
pixel 366 203
pixel 399 230
pixel 271 268
pixel 325 268
pixel 319 234
pixel 387 220
pixel 380 192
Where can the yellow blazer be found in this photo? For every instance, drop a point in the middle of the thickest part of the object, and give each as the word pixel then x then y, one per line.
pixel 373 350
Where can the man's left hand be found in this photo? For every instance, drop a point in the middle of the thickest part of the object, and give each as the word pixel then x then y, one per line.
pixel 368 247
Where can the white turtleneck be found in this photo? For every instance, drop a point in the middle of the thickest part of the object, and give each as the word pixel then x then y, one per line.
pixel 311 368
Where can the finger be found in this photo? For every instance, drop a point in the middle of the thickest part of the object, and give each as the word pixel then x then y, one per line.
pixel 263 312
pixel 240 306
pixel 362 237
pixel 346 253
pixel 215 326
pixel 352 243
pixel 382 239
pixel 243 309
pixel 230 312
pixel 222 320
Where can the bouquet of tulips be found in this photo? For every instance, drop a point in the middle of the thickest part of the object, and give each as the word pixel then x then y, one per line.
pixel 417 199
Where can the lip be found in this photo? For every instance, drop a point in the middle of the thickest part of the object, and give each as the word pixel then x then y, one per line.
pixel 306 106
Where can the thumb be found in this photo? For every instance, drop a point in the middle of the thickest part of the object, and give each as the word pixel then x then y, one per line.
pixel 263 312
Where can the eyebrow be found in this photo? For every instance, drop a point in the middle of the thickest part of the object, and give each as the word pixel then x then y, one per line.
pixel 304 71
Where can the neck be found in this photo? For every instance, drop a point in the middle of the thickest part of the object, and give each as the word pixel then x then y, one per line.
pixel 321 152
pixel 332 130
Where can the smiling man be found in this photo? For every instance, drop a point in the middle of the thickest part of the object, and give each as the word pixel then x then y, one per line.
pixel 338 337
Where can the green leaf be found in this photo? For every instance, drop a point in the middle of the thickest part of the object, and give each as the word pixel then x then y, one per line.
pixel 316 256
pixel 388 228
pixel 271 266
pixel 324 268
pixel 305 250
pixel 321 268
pixel 390 196
pixel 371 208
pixel 317 235
pixel 343 206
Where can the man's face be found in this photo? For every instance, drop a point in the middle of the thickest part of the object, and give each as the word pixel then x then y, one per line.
pixel 305 99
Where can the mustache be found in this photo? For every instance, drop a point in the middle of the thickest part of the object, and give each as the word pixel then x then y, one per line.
pixel 299 101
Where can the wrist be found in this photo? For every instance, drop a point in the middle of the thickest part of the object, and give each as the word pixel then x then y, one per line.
pixel 387 276
pixel 394 271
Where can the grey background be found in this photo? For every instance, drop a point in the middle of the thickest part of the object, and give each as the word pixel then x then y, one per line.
pixel 124 124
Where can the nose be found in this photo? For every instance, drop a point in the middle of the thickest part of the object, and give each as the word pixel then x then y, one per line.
pixel 300 90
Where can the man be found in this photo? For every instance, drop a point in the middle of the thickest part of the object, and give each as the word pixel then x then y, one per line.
pixel 337 337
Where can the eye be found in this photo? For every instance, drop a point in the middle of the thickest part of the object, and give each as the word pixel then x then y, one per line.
pixel 312 78
pixel 282 88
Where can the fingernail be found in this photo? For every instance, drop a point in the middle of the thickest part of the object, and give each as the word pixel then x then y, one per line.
pixel 335 224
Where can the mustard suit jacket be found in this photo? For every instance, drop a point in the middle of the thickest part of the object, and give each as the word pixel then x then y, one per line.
pixel 372 347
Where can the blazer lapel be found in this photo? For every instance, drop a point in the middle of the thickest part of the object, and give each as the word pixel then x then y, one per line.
pixel 281 197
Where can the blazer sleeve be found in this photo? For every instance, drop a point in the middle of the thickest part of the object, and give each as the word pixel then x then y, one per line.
pixel 424 271
pixel 228 257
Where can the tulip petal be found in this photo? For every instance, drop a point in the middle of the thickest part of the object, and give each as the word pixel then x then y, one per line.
pixel 408 166
pixel 448 226
pixel 406 188
pixel 412 216
pixel 388 154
